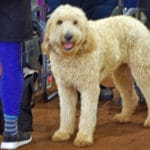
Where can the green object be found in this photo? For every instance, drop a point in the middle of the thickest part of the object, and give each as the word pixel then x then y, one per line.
pixel 116 11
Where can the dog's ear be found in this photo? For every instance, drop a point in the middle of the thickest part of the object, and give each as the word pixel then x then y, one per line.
pixel 89 42
pixel 45 44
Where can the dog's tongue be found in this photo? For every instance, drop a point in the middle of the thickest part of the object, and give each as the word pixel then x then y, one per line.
pixel 68 45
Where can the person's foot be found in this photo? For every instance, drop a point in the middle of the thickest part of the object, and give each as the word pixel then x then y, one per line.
pixel 106 93
pixel 15 141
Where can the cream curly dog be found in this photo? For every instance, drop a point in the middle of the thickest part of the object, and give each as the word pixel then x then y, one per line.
pixel 83 53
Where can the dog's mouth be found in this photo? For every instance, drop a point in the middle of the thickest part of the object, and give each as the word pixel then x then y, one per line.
pixel 68 45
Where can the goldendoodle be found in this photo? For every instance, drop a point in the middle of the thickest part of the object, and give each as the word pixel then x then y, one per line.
pixel 83 53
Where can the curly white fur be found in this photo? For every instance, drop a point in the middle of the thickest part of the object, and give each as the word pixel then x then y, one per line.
pixel 117 46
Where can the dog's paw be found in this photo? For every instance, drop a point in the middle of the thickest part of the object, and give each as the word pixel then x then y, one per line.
pixel 60 135
pixel 83 140
pixel 122 118
pixel 147 123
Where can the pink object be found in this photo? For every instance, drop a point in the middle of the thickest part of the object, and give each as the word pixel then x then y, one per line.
pixel 40 3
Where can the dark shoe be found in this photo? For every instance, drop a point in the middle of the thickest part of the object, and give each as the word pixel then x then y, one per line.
pixel 13 142
pixel 139 94
pixel 106 93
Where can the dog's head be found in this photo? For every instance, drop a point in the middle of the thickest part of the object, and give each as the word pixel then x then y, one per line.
pixel 67 32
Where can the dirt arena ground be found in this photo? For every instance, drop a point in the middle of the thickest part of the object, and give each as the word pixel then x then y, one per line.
pixel 108 135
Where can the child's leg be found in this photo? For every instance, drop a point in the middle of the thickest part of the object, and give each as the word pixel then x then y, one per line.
pixel 11 94
pixel 11 77
pixel 11 83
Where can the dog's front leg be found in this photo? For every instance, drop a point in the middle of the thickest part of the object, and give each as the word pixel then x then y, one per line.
pixel 68 99
pixel 89 102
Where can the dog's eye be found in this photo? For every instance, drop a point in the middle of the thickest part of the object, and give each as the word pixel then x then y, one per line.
pixel 75 22
pixel 59 22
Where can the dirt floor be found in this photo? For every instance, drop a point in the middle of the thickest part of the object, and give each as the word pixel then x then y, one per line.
pixel 108 135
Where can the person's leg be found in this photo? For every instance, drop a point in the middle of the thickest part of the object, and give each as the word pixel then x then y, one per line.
pixel 1 113
pixel 11 93
pixel 11 81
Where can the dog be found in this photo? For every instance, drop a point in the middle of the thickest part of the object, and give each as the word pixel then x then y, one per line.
pixel 83 53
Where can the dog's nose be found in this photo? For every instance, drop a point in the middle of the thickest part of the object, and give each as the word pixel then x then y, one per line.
pixel 68 36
